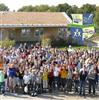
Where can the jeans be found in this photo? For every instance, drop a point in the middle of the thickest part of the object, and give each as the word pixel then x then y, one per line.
pixel 82 87
pixel 69 85
pixel 96 78
pixel 92 85
pixel 56 82
pixel 63 82
pixel 76 84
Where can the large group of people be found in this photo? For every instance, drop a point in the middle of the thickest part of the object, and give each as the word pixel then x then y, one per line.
pixel 35 69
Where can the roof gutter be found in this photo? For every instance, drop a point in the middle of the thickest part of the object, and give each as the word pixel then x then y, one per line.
pixel 31 25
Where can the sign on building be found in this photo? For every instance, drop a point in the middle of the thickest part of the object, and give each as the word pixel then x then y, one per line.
pixel 77 19
pixel 76 34
pixel 87 18
pixel 88 32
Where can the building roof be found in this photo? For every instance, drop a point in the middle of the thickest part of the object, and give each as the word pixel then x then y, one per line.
pixel 34 19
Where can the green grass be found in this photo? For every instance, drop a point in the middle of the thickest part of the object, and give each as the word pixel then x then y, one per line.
pixel 78 47
pixel 75 47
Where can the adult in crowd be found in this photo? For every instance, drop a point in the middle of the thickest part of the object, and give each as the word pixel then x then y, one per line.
pixel 49 68
pixel 83 76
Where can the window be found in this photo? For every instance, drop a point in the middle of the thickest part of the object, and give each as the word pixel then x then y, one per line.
pixel 12 36
pixel 0 35
pixel 62 32
pixel 25 32
pixel 38 32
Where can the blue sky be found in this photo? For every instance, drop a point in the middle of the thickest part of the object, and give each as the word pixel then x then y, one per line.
pixel 16 4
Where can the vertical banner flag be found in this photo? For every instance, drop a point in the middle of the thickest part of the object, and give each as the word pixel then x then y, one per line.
pixel 87 18
pixel 76 33
pixel 77 19
pixel 88 32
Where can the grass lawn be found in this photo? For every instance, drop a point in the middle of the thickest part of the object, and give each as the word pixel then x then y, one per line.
pixel 77 47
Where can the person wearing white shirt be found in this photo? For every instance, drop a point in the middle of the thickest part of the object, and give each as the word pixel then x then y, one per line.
pixel 26 78
pixel 56 76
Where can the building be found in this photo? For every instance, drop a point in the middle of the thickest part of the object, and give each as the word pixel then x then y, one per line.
pixel 31 26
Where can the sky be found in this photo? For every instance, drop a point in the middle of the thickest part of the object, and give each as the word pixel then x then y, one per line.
pixel 16 4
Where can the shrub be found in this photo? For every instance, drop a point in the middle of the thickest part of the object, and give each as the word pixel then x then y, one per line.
pixel 46 42
pixel 7 43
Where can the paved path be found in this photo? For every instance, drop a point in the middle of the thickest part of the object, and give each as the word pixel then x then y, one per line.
pixel 53 96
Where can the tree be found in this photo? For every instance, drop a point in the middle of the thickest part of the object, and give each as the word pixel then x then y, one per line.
pixel 67 8
pixel 63 7
pixel 52 9
pixel 42 8
pixel 3 7
pixel 87 8
pixel 96 18
pixel 73 9
pixel 27 8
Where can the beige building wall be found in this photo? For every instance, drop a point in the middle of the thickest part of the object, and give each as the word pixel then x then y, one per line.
pixel 4 35
pixel 48 32
pixel 15 33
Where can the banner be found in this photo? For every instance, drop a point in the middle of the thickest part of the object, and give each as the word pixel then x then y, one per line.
pixel 77 19
pixel 88 32
pixel 76 33
pixel 87 18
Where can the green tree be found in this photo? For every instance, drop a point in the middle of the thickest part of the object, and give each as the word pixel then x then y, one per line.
pixel 96 18
pixel 42 8
pixel 87 8
pixel 27 8
pixel 67 8
pixel 63 7
pixel 3 7
pixel 52 9
pixel 73 9
pixel 38 8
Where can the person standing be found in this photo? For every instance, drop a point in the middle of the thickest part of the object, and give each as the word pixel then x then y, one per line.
pixel 2 82
pixel 91 79
pixel 50 78
pixel 83 76
pixel 45 79
pixel 12 77
pixel 26 80
pixel 69 79
pixel 76 79
pixel 63 76
pixel 56 71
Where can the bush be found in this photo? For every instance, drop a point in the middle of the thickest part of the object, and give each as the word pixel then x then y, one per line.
pixel 46 42
pixel 60 42
pixel 7 43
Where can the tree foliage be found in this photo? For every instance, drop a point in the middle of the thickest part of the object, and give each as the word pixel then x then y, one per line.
pixel 3 7
pixel 96 18
pixel 88 8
